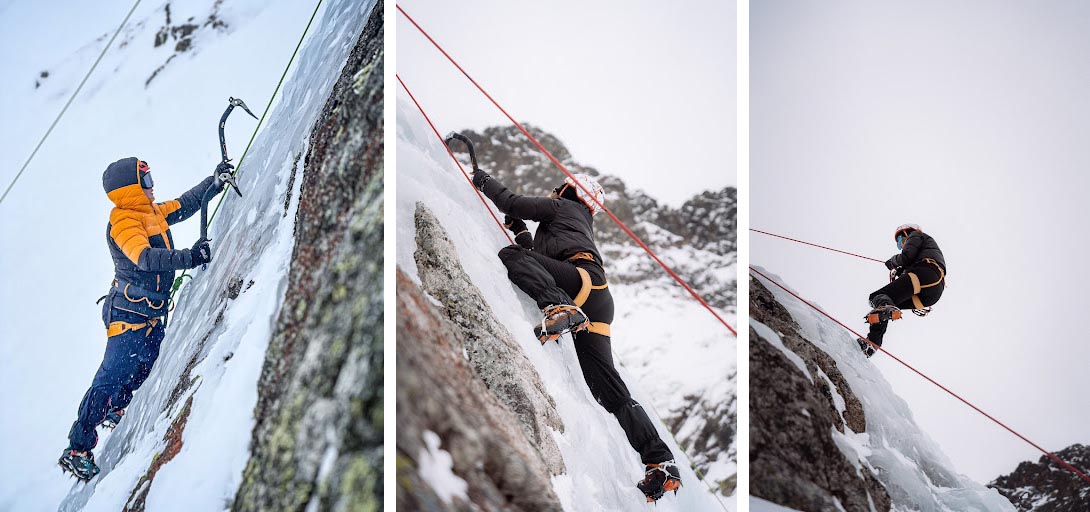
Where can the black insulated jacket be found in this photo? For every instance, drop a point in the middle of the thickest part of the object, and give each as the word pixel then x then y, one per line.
pixel 566 227
pixel 919 246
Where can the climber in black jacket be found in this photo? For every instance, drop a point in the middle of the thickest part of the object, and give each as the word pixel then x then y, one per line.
pixel 561 269
pixel 919 276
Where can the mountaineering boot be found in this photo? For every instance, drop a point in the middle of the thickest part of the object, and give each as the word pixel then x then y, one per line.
pixel 80 464
pixel 659 478
pixel 883 313
pixel 558 320
pixel 867 348
pixel 112 418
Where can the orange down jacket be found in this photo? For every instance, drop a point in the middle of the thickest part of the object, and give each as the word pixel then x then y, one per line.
pixel 138 235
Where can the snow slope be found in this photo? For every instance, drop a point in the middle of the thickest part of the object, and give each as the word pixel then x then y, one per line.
pixel 601 466
pixel 217 342
pixel 909 464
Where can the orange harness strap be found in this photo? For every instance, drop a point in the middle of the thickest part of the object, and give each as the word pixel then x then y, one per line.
pixel 584 293
pixel 917 287
pixel 116 328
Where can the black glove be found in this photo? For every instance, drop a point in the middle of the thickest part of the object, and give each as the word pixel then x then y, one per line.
pixel 890 264
pixel 201 252
pixel 218 183
pixel 480 178
pixel 515 225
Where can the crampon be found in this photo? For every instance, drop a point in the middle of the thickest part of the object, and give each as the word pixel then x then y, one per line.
pixel 658 479
pixel 867 348
pixel 558 320
pixel 882 314
pixel 80 464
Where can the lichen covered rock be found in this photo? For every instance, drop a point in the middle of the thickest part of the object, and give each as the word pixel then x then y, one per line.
pixel 317 438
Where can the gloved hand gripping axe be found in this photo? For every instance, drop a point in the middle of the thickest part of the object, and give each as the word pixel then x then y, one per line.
pixel 223 172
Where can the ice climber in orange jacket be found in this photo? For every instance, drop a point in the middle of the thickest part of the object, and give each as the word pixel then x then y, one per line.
pixel 145 260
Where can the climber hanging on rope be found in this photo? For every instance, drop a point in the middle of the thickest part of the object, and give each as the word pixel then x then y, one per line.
pixel 145 259
pixel 561 269
pixel 917 278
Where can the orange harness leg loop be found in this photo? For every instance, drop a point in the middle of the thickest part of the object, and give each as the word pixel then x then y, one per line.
pixel 119 327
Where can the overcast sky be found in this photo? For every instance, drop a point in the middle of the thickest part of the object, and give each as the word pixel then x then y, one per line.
pixel 642 90
pixel 969 119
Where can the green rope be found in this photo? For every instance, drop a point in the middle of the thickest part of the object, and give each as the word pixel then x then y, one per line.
pixel 69 103
pixel 185 273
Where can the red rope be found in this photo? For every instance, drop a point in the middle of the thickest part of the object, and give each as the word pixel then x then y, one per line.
pixel 816 245
pixel 929 379
pixel 451 153
pixel 570 175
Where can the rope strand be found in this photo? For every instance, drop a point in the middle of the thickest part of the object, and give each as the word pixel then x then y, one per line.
pixel 1050 455
pixel 185 273
pixel 68 103
pixel 451 153
pixel 816 245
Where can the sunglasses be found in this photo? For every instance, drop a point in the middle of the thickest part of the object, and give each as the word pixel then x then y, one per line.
pixel 145 174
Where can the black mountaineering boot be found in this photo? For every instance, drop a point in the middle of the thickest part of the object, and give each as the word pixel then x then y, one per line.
pixel 659 478
pixel 558 320
pixel 80 464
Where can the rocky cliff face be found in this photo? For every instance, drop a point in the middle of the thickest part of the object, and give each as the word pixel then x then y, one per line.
pixel 1043 486
pixel 464 383
pixel 797 462
pixel 318 432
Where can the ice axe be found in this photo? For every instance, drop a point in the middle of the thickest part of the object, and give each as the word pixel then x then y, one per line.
pixel 465 140
pixel 224 176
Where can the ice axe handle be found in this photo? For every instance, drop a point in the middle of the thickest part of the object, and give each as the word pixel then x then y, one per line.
pixel 204 266
pixel 465 140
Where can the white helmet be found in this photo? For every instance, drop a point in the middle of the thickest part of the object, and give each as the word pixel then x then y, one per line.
pixel 904 229
pixel 592 185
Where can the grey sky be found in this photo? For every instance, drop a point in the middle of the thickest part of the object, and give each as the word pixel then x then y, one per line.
pixel 970 119
pixel 642 90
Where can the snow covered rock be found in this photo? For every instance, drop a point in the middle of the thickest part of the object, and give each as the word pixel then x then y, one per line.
pixel 794 459
pixel 827 432
pixel 1043 486
pixel 458 447
pixel 463 379
pixel 318 433
pixel 496 358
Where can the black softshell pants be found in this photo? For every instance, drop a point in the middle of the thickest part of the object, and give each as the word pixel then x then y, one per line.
pixel 901 290
pixel 551 282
